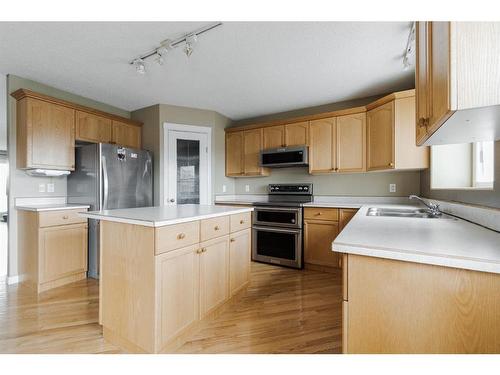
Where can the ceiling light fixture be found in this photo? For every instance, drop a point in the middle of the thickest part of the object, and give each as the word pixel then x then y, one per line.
pixel 410 47
pixel 139 66
pixel 167 45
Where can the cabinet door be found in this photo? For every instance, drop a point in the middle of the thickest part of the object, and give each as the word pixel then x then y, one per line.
pixel 234 154
pixel 177 274
pixel 322 145
pixel 297 134
pixel 252 145
pixel 439 77
pixel 421 80
pixel 214 274
pixel 51 135
pixel 239 260
pixel 380 137
pixel 351 143
pixel 63 251
pixel 318 238
pixel 92 128
pixel 274 137
pixel 126 135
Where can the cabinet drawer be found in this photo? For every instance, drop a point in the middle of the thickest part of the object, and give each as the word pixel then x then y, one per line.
pixel 321 213
pixel 171 237
pixel 62 217
pixel 240 221
pixel 212 228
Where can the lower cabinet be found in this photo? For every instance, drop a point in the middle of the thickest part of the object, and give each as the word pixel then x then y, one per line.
pixel 239 260
pixel 52 248
pixel 214 274
pixel 321 227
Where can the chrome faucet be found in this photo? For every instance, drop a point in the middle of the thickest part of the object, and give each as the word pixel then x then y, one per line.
pixel 433 207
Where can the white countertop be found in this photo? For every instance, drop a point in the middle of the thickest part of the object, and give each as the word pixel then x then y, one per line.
pixel 51 207
pixel 444 242
pixel 164 215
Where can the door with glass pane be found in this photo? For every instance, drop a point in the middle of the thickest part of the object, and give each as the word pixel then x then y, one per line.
pixel 188 168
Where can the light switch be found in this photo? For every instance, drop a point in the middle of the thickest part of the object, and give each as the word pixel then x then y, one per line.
pixel 50 188
pixel 224 188
pixel 247 188
pixel 392 188
pixel 41 188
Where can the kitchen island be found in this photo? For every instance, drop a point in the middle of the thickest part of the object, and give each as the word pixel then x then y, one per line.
pixel 419 285
pixel 166 269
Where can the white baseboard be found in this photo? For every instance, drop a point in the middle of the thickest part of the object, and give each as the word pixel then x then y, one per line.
pixel 13 280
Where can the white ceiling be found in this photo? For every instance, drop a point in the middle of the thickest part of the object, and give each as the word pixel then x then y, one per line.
pixel 241 69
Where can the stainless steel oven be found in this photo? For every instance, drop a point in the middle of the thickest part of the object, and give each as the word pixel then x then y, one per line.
pixel 281 246
pixel 278 217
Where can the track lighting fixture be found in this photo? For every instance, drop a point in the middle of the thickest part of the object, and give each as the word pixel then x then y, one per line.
pixel 167 45
pixel 139 66
pixel 410 47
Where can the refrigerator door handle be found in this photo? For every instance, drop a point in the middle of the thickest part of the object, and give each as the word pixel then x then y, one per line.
pixel 105 186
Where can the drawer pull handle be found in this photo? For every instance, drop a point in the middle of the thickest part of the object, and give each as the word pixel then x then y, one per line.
pixel 180 236
pixel 232 240
pixel 242 221
pixel 216 227
pixel 318 214
pixel 65 217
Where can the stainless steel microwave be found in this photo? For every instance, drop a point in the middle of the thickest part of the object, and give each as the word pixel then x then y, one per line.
pixel 296 156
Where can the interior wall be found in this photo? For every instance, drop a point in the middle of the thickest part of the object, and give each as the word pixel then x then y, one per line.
pixel 155 116
pixel 350 184
pixel 488 198
pixel 20 184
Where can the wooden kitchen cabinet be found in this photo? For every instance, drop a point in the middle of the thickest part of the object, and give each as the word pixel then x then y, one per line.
pixel 252 145
pixel 177 277
pixel 390 134
pixel 351 143
pixel 45 135
pixel 92 128
pixel 322 149
pixel 346 214
pixel 274 137
pixel 52 248
pixel 239 260
pixel 234 154
pixel 457 69
pixel 318 238
pixel 214 274
pixel 297 134
pixel 126 135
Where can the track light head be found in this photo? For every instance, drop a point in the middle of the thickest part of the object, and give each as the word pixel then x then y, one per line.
pixel 190 41
pixel 140 67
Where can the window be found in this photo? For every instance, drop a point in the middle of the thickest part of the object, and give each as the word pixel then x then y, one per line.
pixel 463 166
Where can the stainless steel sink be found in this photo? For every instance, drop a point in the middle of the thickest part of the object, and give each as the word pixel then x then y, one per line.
pixel 403 212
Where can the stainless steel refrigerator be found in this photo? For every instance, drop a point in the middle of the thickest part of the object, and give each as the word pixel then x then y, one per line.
pixel 107 177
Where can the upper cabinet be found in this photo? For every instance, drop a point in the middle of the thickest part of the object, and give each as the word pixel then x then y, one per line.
pixel 322 150
pixel 274 137
pixel 243 153
pixel 45 135
pixel 126 135
pixel 48 127
pixel 295 134
pixel 390 134
pixel 92 128
pixel 457 79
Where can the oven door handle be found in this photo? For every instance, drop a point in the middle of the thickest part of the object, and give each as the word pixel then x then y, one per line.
pixel 273 229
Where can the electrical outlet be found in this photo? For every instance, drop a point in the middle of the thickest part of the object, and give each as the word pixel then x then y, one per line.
pixel 392 188
pixel 247 188
pixel 50 188
pixel 224 188
pixel 41 188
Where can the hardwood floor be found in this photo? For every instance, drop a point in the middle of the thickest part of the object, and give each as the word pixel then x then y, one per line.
pixel 282 311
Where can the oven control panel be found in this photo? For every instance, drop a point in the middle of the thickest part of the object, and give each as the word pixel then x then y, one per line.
pixel 304 189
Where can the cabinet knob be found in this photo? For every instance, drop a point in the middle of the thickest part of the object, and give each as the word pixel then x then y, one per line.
pixel 391 164
pixel 242 221
pixel 65 217
pixel 318 214
pixel 198 251
pixel 203 249
pixel 232 240
pixel 423 122
pixel 216 227
pixel 180 236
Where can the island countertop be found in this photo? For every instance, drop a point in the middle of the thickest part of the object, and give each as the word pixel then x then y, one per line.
pixel 448 242
pixel 159 216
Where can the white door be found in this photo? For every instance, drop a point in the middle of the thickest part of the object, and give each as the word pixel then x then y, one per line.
pixel 188 168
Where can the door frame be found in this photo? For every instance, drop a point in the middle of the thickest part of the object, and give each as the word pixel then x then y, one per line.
pixel 168 127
